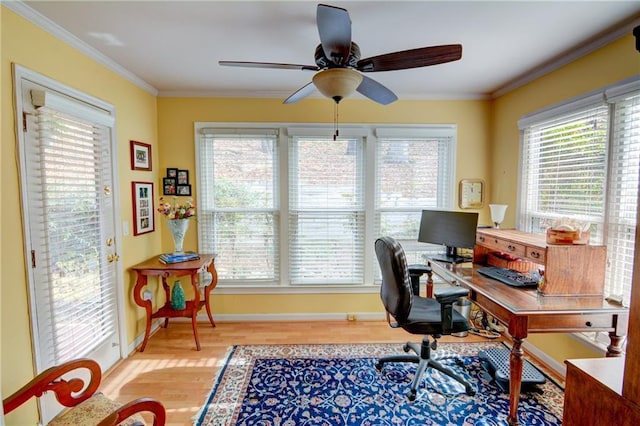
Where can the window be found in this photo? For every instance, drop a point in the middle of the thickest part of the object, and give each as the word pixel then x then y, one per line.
pixel 238 215
pixel 414 171
pixel 326 210
pixel 291 206
pixel 580 160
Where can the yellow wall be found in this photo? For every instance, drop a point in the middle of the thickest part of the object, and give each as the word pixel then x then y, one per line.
pixel 487 135
pixel 136 118
pixel 612 63
pixel 176 118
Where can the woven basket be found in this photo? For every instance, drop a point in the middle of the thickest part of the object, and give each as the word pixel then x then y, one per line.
pixel 517 265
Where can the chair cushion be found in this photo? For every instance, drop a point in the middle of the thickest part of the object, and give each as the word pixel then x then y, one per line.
pixel 91 412
pixel 425 318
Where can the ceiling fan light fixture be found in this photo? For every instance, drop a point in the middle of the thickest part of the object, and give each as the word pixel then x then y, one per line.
pixel 337 83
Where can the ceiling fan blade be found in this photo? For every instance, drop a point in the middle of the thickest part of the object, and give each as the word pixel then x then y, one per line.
pixel 334 28
pixel 301 93
pixel 376 91
pixel 414 58
pixel 272 65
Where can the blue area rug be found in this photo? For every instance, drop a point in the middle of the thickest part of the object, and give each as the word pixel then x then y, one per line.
pixel 329 385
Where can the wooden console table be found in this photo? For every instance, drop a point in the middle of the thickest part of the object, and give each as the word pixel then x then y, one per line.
pixel 526 311
pixel 154 268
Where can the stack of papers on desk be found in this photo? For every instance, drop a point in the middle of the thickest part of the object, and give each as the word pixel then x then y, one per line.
pixel 167 258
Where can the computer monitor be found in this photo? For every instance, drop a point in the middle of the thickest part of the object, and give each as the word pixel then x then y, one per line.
pixel 451 229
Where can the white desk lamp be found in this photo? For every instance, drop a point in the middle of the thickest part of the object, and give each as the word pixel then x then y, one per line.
pixel 497 213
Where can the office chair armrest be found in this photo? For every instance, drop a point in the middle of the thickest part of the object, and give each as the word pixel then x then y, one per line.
pixel 449 295
pixel 418 269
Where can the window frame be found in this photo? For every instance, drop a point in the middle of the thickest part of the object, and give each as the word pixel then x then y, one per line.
pixel 609 97
pixel 369 133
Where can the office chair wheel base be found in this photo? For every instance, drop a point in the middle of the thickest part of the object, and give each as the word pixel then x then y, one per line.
pixel 378 366
pixel 469 391
pixel 411 395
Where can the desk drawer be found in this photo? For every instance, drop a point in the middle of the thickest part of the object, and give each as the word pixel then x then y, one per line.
pixel 576 322
pixel 504 246
pixel 536 254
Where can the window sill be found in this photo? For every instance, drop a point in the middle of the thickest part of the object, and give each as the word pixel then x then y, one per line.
pixel 298 289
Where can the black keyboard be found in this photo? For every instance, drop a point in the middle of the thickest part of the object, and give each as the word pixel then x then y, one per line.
pixel 508 276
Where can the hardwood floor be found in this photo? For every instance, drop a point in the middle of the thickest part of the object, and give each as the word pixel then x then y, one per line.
pixel 171 370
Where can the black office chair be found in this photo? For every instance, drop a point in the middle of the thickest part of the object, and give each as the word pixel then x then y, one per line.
pixel 416 314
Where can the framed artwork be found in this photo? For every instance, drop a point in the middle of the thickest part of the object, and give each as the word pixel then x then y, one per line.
pixel 140 156
pixel 169 186
pixel 471 194
pixel 183 177
pixel 172 173
pixel 183 190
pixel 143 211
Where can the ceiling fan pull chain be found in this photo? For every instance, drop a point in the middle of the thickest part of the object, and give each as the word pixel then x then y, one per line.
pixel 336 132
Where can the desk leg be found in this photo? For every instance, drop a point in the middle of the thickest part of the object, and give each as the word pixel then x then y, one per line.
pixel 141 281
pixel 430 283
pixel 615 347
pixel 515 379
pixel 518 329
pixel 616 337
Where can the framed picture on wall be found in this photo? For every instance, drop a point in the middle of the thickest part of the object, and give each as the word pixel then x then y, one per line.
pixel 140 156
pixel 183 177
pixel 184 190
pixel 143 211
pixel 172 172
pixel 168 186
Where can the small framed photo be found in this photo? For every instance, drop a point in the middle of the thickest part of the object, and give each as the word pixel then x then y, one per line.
pixel 168 186
pixel 140 156
pixel 183 177
pixel 142 194
pixel 172 173
pixel 183 190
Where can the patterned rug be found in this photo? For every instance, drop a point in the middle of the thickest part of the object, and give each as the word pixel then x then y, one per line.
pixel 329 385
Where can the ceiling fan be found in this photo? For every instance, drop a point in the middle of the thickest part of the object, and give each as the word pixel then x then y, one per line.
pixel 340 68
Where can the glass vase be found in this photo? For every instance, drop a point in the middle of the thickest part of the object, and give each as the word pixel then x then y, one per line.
pixel 178 228
pixel 178 301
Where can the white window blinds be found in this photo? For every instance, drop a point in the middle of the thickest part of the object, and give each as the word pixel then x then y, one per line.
pixel 75 293
pixel 326 210
pixel 581 161
pixel 413 172
pixel 623 191
pixel 237 202
pixel 565 166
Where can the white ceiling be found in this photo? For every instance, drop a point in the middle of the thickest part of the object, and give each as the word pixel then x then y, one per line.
pixel 174 46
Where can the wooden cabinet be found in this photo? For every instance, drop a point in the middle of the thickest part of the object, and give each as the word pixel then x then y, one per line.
pixel 568 269
pixel 593 394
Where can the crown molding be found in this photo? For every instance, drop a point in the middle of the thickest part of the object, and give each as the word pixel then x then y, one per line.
pixel 595 43
pixel 57 31
pixel 316 95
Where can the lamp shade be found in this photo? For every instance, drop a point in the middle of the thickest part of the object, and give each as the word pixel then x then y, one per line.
pixel 497 213
pixel 337 83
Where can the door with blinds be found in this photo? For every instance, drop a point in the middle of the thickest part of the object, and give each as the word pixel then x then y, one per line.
pixel 66 171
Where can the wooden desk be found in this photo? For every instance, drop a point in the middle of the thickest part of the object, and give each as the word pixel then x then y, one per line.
pixel 526 311
pixel 154 268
